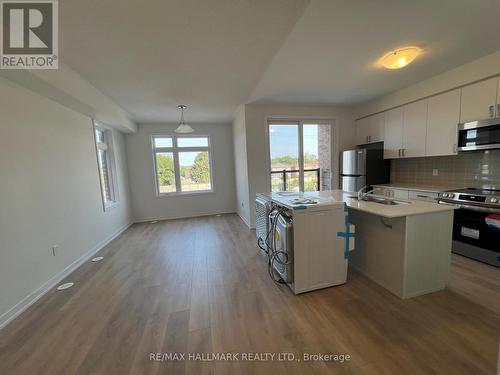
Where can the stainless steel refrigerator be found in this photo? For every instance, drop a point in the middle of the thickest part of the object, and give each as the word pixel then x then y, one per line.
pixel 363 166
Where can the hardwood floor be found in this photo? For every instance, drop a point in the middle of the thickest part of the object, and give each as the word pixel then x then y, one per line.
pixel 475 281
pixel 201 285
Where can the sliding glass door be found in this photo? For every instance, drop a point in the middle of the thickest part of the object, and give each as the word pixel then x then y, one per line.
pixel 299 154
pixel 284 156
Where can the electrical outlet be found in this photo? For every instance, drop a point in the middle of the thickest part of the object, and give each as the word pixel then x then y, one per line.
pixel 435 172
pixel 54 250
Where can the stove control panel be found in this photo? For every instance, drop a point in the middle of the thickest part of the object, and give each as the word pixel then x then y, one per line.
pixel 474 197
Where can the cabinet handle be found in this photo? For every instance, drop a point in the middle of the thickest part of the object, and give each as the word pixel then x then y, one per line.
pixel 399 152
pixel 492 109
pixel 422 196
pixel 498 110
pixel 454 148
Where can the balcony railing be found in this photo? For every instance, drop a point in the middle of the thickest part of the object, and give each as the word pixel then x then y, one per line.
pixel 285 179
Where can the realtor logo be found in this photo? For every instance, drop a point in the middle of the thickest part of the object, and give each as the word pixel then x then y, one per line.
pixel 29 34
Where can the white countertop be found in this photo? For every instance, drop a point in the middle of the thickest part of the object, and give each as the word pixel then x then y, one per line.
pixel 418 187
pixel 334 197
pixel 286 199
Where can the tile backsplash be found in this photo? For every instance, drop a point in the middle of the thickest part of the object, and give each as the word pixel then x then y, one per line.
pixel 467 169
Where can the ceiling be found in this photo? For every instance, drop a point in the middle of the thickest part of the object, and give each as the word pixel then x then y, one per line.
pixel 214 55
pixel 149 56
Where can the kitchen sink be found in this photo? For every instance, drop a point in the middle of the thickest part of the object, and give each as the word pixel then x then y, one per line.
pixel 380 200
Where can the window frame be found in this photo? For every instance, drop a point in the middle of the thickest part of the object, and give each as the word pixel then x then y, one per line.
pixel 300 122
pixel 108 146
pixel 175 150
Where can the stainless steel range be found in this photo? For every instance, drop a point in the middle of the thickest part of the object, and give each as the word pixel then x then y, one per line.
pixel 476 224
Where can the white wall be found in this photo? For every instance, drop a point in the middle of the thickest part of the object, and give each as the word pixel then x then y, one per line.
pixel 49 194
pixel 68 88
pixel 256 116
pixel 240 164
pixel 476 70
pixel 147 206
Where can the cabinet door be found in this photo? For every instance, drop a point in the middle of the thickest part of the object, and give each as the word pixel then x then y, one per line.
pixel 478 100
pixel 414 128
pixel 426 196
pixel 362 131
pixel 393 133
pixel 498 98
pixel 442 119
pixel 376 128
pixel 400 193
pixel 370 129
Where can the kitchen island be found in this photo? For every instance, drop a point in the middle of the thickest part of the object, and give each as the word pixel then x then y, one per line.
pixel 405 248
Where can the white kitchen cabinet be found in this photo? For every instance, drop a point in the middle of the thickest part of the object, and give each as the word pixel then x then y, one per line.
pixel 370 129
pixel 397 193
pixel 443 115
pixel 406 193
pixel 479 100
pixel 498 99
pixel 393 133
pixel 390 192
pixel 361 131
pixel 414 129
pixel 426 196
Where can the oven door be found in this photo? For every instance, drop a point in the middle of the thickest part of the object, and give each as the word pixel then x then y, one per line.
pixel 476 234
pixel 479 135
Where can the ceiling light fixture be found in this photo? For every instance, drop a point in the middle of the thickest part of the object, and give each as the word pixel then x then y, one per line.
pixel 183 127
pixel 399 58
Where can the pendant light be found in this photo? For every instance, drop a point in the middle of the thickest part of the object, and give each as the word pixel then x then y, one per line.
pixel 183 127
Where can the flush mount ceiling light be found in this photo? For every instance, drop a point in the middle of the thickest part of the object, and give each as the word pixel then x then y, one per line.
pixel 183 127
pixel 399 58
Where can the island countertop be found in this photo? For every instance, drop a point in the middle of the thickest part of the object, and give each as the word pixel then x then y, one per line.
pixel 389 211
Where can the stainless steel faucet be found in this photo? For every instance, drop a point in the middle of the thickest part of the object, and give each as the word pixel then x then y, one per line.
pixel 362 194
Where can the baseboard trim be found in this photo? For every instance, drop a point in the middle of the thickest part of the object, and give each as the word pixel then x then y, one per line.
pixel 160 218
pixel 34 296
pixel 244 220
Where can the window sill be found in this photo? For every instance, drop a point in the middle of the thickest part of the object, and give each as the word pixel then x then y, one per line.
pixel 111 206
pixel 184 194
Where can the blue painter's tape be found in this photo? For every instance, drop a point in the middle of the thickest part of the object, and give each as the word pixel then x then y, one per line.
pixel 299 207
pixel 347 234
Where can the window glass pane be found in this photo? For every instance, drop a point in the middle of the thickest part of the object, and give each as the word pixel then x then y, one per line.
pixel 195 171
pixel 165 173
pixel 99 135
pixel 192 142
pixel 311 157
pixel 163 142
pixel 284 155
pixel 104 170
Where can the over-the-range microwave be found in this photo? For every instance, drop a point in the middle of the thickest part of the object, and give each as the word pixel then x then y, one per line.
pixel 479 135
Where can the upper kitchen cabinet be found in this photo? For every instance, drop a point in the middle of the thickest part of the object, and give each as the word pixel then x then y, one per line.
pixel 498 98
pixel 414 129
pixel 479 100
pixel 393 133
pixel 370 129
pixel 443 115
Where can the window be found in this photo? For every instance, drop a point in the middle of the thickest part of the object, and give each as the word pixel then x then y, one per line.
pixel 182 164
pixel 106 165
pixel 300 155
